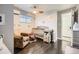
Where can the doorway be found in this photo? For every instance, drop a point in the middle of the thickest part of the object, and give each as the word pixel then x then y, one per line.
pixel 66 29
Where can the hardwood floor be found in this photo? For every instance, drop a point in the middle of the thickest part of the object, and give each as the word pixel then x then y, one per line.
pixel 38 47
pixel 41 47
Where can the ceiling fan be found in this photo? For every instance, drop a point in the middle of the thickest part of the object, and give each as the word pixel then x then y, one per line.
pixel 36 9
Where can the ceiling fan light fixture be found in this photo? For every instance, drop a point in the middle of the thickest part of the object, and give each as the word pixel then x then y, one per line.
pixel 40 11
pixel 34 12
pixel 34 7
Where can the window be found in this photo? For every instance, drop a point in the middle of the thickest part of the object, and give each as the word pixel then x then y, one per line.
pixel 25 19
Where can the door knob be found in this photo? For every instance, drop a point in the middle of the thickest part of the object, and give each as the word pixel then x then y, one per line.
pixel 70 27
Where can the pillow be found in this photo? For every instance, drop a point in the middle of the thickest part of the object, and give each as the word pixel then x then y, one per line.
pixel 26 38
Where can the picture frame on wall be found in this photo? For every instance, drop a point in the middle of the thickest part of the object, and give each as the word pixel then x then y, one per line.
pixel 2 19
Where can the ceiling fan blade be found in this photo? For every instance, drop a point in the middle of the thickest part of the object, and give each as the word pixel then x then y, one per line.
pixel 41 11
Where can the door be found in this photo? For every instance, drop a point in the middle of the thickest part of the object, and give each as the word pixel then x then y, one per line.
pixel 66 19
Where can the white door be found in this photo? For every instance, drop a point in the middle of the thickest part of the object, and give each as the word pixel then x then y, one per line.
pixel 66 26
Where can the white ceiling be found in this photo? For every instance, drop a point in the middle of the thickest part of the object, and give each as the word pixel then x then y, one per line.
pixel 44 7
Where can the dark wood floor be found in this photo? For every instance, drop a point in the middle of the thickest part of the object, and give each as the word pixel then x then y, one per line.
pixel 40 47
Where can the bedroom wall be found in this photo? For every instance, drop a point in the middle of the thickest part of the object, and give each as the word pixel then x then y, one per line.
pixel 22 27
pixel 49 20
pixel 7 29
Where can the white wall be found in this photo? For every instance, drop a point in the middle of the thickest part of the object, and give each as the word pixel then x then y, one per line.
pixel 22 27
pixel 49 20
pixel 7 29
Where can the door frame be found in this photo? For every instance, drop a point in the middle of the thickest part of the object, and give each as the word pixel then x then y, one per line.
pixel 59 22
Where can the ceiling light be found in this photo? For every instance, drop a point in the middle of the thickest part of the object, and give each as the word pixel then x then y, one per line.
pixel 34 12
